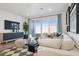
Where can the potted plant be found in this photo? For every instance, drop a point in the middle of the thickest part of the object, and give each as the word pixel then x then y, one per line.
pixel 25 28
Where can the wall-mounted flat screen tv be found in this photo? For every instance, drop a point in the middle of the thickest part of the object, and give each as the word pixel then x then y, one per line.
pixel 11 25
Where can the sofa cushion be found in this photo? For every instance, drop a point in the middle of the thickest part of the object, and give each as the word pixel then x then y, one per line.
pixel 46 51
pixel 67 43
pixel 53 43
pixel 77 43
pixel 75 38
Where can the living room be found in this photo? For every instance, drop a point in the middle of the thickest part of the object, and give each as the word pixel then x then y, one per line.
pixel 39 29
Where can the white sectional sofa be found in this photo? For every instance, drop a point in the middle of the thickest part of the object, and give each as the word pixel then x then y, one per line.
pixel 52 43
pixel 75 37
pixel 66 43
pixel 50 47
pixel 46 51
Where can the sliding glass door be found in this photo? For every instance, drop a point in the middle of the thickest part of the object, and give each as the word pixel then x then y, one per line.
pixel 37 27
pixel 45 25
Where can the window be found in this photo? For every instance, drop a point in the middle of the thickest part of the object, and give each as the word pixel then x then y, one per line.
pixel 37 28
pixel 45 28
pixel 45 25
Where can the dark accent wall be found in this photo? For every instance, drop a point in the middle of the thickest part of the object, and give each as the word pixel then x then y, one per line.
pixel 68 19
pixel 77 16
pixel 72 6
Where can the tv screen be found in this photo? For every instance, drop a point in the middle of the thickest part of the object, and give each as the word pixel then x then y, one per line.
pixel 11 25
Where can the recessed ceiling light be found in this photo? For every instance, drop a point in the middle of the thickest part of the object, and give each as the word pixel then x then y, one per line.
pixel 50 9
pixel 41 8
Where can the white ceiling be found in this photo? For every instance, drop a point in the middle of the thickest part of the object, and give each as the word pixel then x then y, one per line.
pixel 33 10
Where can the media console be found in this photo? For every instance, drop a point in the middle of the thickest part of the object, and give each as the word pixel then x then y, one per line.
pixel 10 36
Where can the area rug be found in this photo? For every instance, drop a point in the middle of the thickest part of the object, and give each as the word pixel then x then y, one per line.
pixel 15 52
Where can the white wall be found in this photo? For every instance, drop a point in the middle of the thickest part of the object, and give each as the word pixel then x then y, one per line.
pixel 63 17
pixel 12 17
